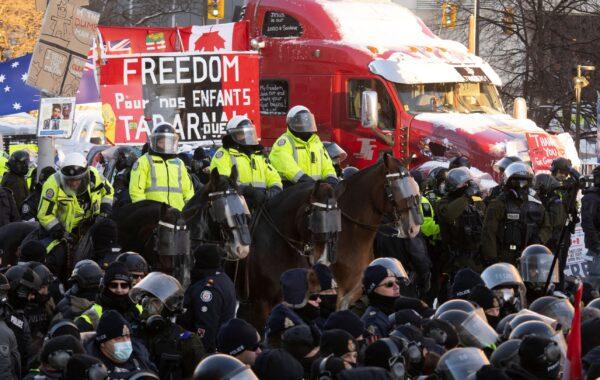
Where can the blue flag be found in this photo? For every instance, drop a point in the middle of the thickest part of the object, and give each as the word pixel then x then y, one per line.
pixel 15 95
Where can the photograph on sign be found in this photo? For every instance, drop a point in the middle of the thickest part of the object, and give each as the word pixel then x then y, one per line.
pixel 56 117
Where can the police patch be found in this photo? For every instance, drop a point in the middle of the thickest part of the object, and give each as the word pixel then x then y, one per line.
pixel 25 209
pixel 219 154
pixel 49 193
pixel 135 165
pixel 281 142
pixel 206 296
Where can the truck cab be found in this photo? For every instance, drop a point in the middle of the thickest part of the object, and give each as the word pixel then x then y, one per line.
pixel 378 80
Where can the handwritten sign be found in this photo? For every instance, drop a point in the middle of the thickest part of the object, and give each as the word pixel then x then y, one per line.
pixel 543 149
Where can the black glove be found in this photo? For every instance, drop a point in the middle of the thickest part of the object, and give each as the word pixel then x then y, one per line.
pixel 333 181
pixel 105 210
pixel 57 232
pixel 305 178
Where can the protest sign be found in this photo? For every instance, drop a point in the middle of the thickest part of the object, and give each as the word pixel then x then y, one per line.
pixel 56 117
pixel 577 261
pixel 543 149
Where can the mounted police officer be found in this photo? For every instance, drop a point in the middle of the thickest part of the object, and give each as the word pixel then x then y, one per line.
pixel 125 158
pixel 76 194
pixel 515 219
pixel 460 221
pixel 159 175
pixel 547 189
pixel 30 204
pixel 590 222
pixel 16 177
pixel 173 350
pixel 258 179
pixel 299 155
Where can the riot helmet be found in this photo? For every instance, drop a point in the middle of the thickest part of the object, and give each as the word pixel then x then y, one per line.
pixel 461 363
pixel 544 184
pixel 459 304
pixel 541 357
pixel 221 367
pixel 74 175
pixel 394 267
pixel 506 354
pixel 18 163
pixel 125 157
pixel 348 171
pixel 595 303
pixel 561 164
pixel 559 309
pixel 472 330
pixel 459 162
pixel 518 175
pixel 299 119
pixel 458 179
pixel 135 263
pixel 337 154
pixel 164 139
pixel 501 165
pixel 501 275
pixel 87 274
pixel 541 329
pixel 160 286
pixel 46 277
pixel 536 261
pixel 24 285
pixel 524 316
pixel 501 326
pixel 242 131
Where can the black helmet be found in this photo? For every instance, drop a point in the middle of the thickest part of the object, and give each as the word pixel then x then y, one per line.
pixel 393 266
pixel 164 139
pixel 472 330
pixel 536 261
pixel 544 183
pixel 461 363
pixel 348 171
pixel 86 274
pixel 134 261
pixel 242 131
pixel 458 162
pixel 458 178
pixel 537 328
pixel 222 367
pixel 506 354
pixel 541 357
pixel 501 326
pixel 595 303
pixel 42 271
pixel 455 304
pixel 23 281
pixel 125 157
pixel 501 165
pixel 519 173
pixel 18 163
pixel 559 309
pixel 501 275
pixel 526 315
pixel 562 164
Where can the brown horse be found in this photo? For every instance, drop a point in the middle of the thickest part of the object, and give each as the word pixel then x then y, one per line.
pixel 282 239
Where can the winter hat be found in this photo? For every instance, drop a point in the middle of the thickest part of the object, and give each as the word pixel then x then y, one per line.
pixel 280 319
pixel 111 325
pixel 33 250
pixel 337 342
pixel 236 336
pixel 484 297
pixel 300 340
pixel 64 342
pixel 297 284
pixel 104 233
pixel 116 271
pixel 406 316
pixel 345 320
pixel 199 154
pixel 277 364
pixel 208 256
pixel 78 366
pixel 589 335
pixel 403 303
pixel 324 276
pixel 378 354
pixel 464 280
pixel 372 276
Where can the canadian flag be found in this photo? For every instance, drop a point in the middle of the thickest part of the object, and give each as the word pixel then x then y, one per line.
pixel 572 370
pixel 229 37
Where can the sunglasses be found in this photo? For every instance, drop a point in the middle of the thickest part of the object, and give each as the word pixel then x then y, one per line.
pixel 137 276
pixel 389 284
pixel 117 285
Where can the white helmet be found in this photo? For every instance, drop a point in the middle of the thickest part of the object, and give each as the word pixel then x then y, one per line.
pixel 242 131
pixel 300 119
pixel 74 174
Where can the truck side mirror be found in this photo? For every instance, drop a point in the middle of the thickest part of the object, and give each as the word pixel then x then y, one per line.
pixel 369 116
pixel 520 108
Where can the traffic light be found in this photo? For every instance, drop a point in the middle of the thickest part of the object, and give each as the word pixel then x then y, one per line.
pixel 449 12
pixel 216 9
pixel 508 21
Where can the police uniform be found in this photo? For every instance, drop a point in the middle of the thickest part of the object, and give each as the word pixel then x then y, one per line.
pixel 88 320
pixel 18 185
pixel 121 186
pixel 293 157
pixel 376 322
pixel 30 205
pixel 430 229
pixel 8 208
pixel 3 163
pixel 557 217
pixel 280 319
pixel 210 302
pixel 17 322
pixel 253 170
pixel 10 360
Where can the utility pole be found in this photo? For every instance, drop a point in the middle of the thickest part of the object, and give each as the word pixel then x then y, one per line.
pixel 476 13
pixel 579 82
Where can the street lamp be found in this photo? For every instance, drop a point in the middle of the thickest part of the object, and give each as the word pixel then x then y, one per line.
pixel 579 82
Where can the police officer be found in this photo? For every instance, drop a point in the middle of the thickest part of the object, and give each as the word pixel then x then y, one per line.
pixel 54 356
pixel 499 167
pixel 173 350
pixel 514 219
pixel 258 180
pixel 535 263
pixel 10 361
pixel 137 265
pixel 381 283
pixel 299 155
pixel 16 177
pixel 114 295
pixel 41 310
pixel 105 242
pixel 546 187
pixel 337 155
pixel 460 221
pixel 76 194
pixel 568 177
pixel 85 284
pixel 507 285
pixel 125 157
pixel 30 204
pixel 590 222
pixel 217 367
pixel 540 357
pixel 159 175
pixel 210 301
pixel 8 208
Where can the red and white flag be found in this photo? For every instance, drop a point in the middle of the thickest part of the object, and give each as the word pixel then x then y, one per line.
pixel 227 37
pixel 572 370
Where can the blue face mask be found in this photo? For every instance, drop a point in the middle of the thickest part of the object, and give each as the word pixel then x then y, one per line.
pixel 123 351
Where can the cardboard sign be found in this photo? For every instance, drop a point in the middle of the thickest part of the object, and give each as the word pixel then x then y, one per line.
pixel 543 149
pixel 578 260
pixel 60 55
pixel 196 93
pixel 56 117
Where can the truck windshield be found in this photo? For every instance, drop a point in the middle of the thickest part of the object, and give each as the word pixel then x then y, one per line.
pixel 450 97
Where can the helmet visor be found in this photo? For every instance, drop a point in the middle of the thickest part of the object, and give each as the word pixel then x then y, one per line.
pixel 518 170
pixel 164 142
pixel 501 275
pixel 303 121
pixel 462 363
pixel 476 332
pixel 393 266
pixel 336 153
pixel 561 310
pixel 244 134
pixel 74 180
pixel 245 374
pixel 161 286
pixel 535 269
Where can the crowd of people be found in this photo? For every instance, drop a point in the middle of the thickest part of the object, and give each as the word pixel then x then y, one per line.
pixel 477 294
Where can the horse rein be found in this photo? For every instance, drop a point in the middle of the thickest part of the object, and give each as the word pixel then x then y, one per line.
pixel 293 243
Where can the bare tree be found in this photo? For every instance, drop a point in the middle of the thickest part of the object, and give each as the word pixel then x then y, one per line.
pixel 150 12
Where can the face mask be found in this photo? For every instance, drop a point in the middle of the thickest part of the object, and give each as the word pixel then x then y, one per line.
pixel 328 304
pixel 123 351
pixel 308 313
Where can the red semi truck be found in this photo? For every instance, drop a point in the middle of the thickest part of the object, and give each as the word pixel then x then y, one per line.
pixel 378 80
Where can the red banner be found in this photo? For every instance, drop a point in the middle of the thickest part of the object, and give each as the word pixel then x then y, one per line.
pixel 543 149
pixel 196 93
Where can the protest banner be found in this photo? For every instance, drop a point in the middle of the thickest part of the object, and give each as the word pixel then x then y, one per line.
pixel 543 149
pixel 56 117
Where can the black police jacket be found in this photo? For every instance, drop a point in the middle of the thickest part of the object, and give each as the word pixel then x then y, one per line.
pixel 138 361
pixel 590 218
pixel 8 208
